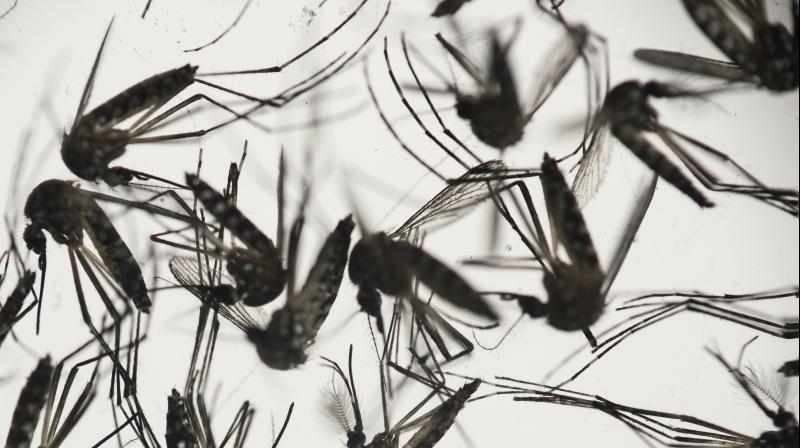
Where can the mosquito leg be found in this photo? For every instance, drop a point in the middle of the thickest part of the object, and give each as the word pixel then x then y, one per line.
pixel 424 91
pixel 411 110
pixel 281 67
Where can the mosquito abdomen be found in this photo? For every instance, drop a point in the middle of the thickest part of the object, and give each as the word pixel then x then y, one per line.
pixel 137 98
pixel 631 137
pixel 570 225
pixel 441 421
pixel 13 304
pixel 713 21
pixel 179 432
pixel 292 329
pixel 31 401
pixel 116 256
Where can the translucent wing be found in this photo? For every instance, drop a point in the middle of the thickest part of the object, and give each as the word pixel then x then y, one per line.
pixel 184 269
pixel 690 63
pixel 561 59
pixel 642 204
pixel 593 165
pixel 453 202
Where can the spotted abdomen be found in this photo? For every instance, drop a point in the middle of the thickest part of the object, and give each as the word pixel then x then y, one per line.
pixel 29 405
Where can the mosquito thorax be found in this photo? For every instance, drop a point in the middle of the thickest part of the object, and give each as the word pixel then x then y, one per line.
pixel 259 279
pixel 368 261
pixel 276 345
pixel 574 299
pixel 627 103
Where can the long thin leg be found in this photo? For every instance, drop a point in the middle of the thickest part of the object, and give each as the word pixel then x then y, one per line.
pixel 281 67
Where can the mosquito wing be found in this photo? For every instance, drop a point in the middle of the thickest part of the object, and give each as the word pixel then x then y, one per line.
pixel 184 269
pixel 693 64
pixel 453 202
pixel 561 58
pixel 642 204
pixel 593 165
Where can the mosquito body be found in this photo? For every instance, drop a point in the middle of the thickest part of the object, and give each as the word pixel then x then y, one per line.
pixel 12 307
pixel 93 141
pixel 577 288
pixel 257 268
pixel 66 212
pixel 282 344
pixel 628 116
pixel 768 57
pixel 389 263
pixel 31 401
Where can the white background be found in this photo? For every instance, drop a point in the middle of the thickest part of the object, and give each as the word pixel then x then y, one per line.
pixel 47 48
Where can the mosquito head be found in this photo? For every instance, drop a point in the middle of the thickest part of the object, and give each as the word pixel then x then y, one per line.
pixel 532 306
pixel 785 420
pixel 34 238
pixel 356 438
pixel 627 103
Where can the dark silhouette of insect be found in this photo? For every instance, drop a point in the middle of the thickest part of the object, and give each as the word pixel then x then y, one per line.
pixel 432 425
pixel 765 54
pixel 627 115
pixel 38 398
pixel 389 263
pixel 93 141
pixel 790 368
pixel 577 288
pixel 66 212
pixel 282 344
pixel 448 7
pixel 495 113
pixel 721 306
pixel 12 310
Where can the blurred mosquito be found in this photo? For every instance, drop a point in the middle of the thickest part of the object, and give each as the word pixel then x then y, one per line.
pixel 722 306
pixel 430 427
pixel 93 141
pixel 389 263
pixel 664 428
pixel 188 421
pixel 495 113
pixel 764 54
pixel 627 115
pixel 39 393
pixel 282 343
pixel 576 289
pixel 12 310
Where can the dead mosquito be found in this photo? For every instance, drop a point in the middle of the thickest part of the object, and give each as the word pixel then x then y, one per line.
pixel 765 53
pixel 93 141
pixel 389 263
pixel 628 116
pixel 576 289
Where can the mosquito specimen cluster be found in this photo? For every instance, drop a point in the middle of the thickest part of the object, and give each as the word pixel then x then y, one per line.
pixel 282 291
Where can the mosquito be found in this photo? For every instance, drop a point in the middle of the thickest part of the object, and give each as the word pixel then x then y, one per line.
pixel 94 141
pixel 661 306
pixel 769 58
pixel 389 263
pixel 495 113
pixel 39 394
pixel 12 310
pixel 66 212
pixel 627 115
pixel 432 425
pixel 576 289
